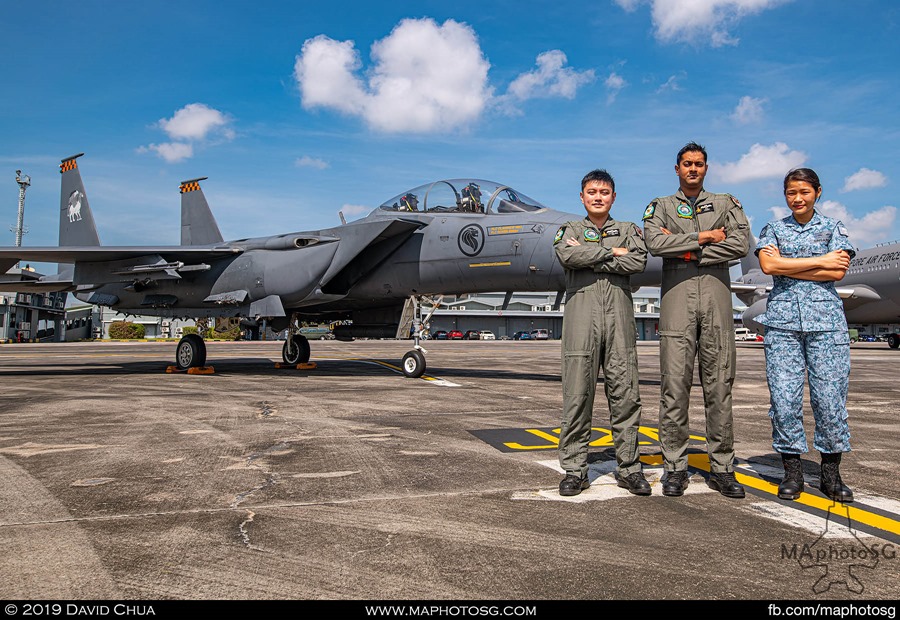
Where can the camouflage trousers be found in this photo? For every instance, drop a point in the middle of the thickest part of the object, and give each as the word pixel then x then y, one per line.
pixel 825 358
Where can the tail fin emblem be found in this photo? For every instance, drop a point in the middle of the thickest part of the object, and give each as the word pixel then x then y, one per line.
pixel 75 206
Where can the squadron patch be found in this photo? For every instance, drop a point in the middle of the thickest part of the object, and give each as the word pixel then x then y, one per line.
pixel 638 231
pixel 707 208
pixel 684 210
pixel 591 235
pixel 649 211
pixel 559 234
pixel 842 231
pixel 736 202
pixel 611 232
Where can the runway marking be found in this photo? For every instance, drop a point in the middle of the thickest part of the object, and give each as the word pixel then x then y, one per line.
pixel 327 474
pixel 873 515
pixel 34 449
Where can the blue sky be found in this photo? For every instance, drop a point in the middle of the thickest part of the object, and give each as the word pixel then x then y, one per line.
pixel 296 111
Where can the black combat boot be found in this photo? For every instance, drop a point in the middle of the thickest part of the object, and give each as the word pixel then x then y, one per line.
pixel 792 484
pixel 830 482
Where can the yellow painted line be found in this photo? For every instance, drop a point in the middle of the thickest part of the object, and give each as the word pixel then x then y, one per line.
pixel 497 264
pixel 856 514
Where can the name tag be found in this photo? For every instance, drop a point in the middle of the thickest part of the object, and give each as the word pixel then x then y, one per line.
pixel 612 232
pixel 707 208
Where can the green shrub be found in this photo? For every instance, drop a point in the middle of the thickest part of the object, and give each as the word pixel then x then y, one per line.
pixel 125 330
pixel 190 329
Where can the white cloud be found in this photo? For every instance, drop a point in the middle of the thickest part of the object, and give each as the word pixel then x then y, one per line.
pixel 551 78
pixel 864 179
pixel 748 110
pixel 172 152
pixel 700 22
pixel 351 210
pixel 671 83
pixel 871 228
pixel 195 122
pixel 425 77
pixel 614 83
pixel 762 162
pixel 310 162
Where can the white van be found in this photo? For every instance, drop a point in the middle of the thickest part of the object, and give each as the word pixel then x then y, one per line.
pixel 742 333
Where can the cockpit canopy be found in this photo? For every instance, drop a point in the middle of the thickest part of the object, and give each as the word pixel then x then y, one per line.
pixel 463 196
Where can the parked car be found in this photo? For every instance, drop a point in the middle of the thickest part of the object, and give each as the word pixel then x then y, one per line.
pixel 439 335
pixel 539 334
pixel 454 335
pixel 486 334
pixel 472 334
pixel 521 336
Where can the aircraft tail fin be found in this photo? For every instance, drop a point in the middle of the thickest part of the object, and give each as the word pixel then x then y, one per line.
pixel 198 226
pixel 76 221
pixel 750 262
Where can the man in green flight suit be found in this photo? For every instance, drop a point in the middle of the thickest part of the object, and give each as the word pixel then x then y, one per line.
pixel 599 255
pixel 696 233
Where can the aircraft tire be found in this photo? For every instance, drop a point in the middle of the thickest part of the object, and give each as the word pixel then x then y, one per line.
pixel 296 350
pixel 190 352
pixel 893 341
pixel 413 364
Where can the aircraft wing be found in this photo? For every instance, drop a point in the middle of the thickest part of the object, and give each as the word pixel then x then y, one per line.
pixel 95 254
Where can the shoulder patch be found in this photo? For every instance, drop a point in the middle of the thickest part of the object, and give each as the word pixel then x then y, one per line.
pixel 842 231
pixel 684 210
pixel 638 231
pixel 559 234
pixel 591 235
pixel 736 202
pixel 649 211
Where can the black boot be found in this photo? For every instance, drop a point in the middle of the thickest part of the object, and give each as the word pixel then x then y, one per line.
pixel 830 482
pixel 792 484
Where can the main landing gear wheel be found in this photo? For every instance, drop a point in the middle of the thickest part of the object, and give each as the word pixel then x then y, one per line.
pixel 893 341
pixel 413 364
pixel 295 350
pixel 190 352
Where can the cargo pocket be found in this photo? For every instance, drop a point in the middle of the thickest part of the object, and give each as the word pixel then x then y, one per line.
pixel 577 373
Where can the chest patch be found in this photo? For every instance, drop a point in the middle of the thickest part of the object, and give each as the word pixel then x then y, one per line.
pixel 612 232
pixel 591 235
pixel 684 210
pixel 707 208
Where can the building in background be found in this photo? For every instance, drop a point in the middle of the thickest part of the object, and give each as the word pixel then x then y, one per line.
pixel 31 317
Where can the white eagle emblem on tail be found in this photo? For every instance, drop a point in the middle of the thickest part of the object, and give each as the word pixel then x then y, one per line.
pixel 75 206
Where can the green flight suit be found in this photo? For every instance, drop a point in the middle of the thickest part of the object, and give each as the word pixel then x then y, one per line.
pixel 696 319
pixel 598 329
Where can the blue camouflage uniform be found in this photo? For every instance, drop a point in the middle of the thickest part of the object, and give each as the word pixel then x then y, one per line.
pixel 806 329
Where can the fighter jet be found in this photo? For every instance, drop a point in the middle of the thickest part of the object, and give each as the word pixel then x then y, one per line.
pixel 870 290
pixel 446 237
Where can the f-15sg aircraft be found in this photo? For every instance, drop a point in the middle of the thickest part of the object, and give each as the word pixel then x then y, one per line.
pixel 447 237
pixel 870 290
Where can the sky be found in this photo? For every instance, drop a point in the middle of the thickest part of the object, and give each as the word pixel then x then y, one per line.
pixel 296 111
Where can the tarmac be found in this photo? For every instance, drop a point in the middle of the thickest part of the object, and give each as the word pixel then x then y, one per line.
pixel 349 481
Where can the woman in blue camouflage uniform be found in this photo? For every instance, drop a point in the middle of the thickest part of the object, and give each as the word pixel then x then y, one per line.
pixel 806 332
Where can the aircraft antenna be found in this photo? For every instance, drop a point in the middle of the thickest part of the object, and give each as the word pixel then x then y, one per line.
pixel 24 181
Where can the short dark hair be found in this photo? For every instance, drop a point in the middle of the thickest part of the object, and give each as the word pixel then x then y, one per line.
pixel 690 147
pixel 803 174
pixel 599 175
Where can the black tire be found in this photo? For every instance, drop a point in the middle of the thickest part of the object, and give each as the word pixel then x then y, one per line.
pixel 190 352
pixel 893 341
pixel 413 364
pixel 296 350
